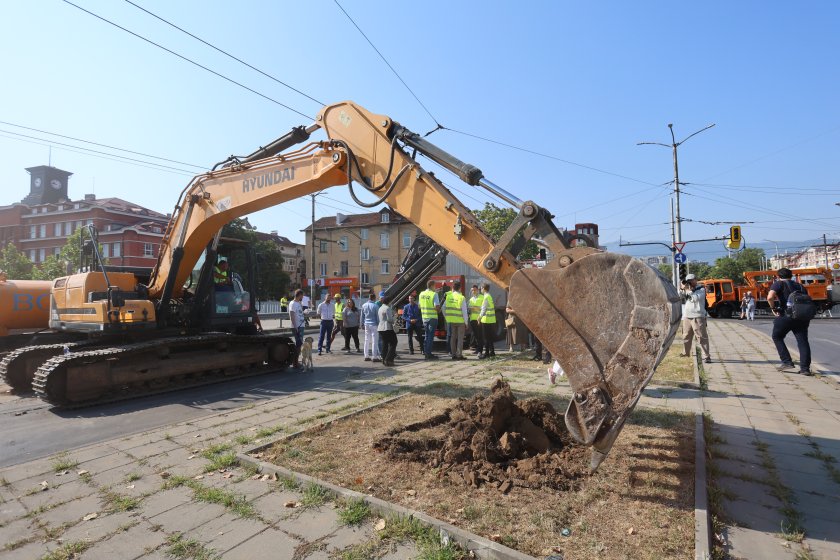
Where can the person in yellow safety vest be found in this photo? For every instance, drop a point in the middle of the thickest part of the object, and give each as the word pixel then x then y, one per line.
pixel 487 318
pixel 474 307
pixel 429 304
pixel 221 277
pixel 284 304
pixel 339 318
pixel 455 312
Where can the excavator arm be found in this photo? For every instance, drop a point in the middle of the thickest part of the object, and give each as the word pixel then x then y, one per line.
pixel 608 319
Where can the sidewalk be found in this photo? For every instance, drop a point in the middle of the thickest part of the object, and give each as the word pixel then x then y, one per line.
pixel 775 450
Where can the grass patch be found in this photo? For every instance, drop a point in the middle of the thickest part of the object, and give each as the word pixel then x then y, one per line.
pixel 216 449
pixel 243 439
pixel 289 483
pixel 224 461
pixel 63 463
pixel 68 551
pixel 427 539
pixel 180 548
pixel 117 502
pixel 314 495
pixel 674 368
pixel 236 504
pixel 354 512
pixel 268 432
pixel 133 476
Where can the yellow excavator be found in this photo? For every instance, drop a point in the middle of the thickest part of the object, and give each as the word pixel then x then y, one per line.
pixel 608 319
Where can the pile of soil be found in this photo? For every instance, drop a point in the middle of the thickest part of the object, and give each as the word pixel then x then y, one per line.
pixel 493 440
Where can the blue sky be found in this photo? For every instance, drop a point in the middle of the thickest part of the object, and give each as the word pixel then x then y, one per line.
pixel 582 82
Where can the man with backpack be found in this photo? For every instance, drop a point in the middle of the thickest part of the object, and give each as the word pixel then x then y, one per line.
pixel 794 310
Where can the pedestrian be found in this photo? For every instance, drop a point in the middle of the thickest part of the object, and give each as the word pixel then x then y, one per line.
pixel 339 317
pixel 748 307
pixel 429 309
pixel 351 317
pixel 517 332
pixel 778 298
pixel 474 307
pixel 694 317
pixel 413 324
pixel 296 316
pixel 541 353
pixel 386 332
pixel 284 304
pixel 305 302
pixel 326 310
pixel 455 313
pixel 487 318
pixel 370 321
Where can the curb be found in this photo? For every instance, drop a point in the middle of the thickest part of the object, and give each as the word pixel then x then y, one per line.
pixel 702 523
pixel 481 547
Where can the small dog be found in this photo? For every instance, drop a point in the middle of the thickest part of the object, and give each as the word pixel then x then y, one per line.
pixel 306 354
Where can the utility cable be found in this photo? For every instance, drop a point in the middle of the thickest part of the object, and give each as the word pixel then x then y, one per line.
pixel 385 60
pixel 212 46
pixel 184 58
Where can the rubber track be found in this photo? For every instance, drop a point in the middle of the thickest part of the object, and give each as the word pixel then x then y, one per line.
pixel 55 365
pixel 8 360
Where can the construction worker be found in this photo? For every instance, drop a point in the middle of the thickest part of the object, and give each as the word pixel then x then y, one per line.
pixel 339 317
pixel 284 304
pixel 221 277
pixel 487 318
pixel 455 312
pixel 429 309
pixel 474 307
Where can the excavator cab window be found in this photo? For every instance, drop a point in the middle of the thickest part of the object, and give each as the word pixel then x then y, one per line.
pixel 233 287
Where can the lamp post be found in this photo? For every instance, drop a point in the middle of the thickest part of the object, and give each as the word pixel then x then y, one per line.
pixel 776 256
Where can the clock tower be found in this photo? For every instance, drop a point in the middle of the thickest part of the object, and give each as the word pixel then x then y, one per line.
pixel 46 184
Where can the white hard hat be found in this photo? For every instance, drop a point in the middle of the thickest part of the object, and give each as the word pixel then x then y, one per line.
pixel 689 277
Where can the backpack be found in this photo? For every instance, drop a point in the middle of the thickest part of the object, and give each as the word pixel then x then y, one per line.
pixel 799 304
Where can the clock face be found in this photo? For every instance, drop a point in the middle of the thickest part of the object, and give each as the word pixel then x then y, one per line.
pixel 56 184
pixel 37 181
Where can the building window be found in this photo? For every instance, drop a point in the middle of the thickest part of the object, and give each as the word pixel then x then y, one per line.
pixel 366 254
pixel 148 250
pixel 90 222
pixel 385 268
pixel 56 251
pixel 32 255
pixel 43 229
pixel 78 225
pixel 117 249
pixel 59 208
pixel 363 233
pixel 57 229
pixel 32 232
pixel 406 239
pixel 365 278
pixel 68 228
pixel 384 240
pixel 343 243
pixel 323 246
pixel 345 268
pixel 42 254
pixel 43 211
pixel 385 218
pixel 105 250
pixel 322 269
pixel 76 206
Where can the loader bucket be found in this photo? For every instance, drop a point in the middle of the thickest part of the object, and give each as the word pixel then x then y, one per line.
pixel 608 319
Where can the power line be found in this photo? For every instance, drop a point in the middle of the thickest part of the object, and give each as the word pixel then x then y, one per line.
pixel 340 7
pixel 182 57
pixel 212 46
pixel 799 191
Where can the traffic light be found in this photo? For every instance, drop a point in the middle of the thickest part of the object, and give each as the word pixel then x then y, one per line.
pixel 735 235
pixel 683 272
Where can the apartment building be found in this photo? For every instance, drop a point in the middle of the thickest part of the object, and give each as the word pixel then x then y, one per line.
pixel 294 257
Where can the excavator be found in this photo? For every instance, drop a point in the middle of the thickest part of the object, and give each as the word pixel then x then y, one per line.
pixel 608 319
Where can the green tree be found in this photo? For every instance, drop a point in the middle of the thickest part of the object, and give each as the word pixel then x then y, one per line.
pixel 15 264
pixel 53 267
pixel 67 260
pixel 273 282
pixel 734 267
pixel 495 222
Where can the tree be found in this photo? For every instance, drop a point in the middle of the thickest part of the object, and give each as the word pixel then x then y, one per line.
pixel 495 222
pixel 15 264
pixel 67 260
pixel 273 282
pixel 53 267
pixel 734 267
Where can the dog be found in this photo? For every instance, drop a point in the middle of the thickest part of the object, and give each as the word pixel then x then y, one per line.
pixel 306 354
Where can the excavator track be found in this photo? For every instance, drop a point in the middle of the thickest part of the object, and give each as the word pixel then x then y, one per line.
pixel 17 367
pixel 106 375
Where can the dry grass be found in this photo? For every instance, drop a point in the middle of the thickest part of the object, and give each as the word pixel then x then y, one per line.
pixel 674 368
pixel 639 504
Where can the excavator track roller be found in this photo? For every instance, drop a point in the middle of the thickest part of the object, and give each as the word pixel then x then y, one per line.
pixel 608 319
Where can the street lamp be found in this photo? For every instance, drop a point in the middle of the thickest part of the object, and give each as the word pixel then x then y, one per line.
pixel 776 256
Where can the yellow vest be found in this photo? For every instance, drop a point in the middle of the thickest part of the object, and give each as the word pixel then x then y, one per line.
pixel 490 314
pixel 339 307
pixel 218 271
pixel 426 302
pixel 452 308
pixel 476 302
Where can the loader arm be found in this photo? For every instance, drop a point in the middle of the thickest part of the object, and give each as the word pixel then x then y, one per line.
pixel 608 319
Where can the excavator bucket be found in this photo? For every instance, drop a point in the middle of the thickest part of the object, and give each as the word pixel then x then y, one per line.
pixel 608 319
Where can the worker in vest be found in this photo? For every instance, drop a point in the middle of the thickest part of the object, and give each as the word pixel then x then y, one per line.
pixel 487 318
pixel 429 303
pixel 474 308
pixel 339 318
pixel 284 304
pixel 221 276
pixel 455 312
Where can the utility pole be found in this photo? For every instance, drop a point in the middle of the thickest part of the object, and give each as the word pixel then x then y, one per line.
pixel 676 219
pixel 674 276
pixel 825 249
pixel 312 256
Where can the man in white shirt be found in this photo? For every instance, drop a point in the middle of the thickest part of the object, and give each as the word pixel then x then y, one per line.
pixel 694 317
pixel 305 302
pixel 296 316
pixel 326 311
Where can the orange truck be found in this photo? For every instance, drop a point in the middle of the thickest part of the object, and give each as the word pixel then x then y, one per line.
pixel 723 296
pixel 24 305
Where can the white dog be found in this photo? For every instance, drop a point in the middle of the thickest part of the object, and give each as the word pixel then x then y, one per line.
pixel 306 354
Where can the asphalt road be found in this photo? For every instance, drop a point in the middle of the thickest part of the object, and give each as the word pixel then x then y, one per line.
pixel 823 334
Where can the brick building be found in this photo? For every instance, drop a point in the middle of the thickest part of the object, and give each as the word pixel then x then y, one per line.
pixel 39 225
pixel 294 257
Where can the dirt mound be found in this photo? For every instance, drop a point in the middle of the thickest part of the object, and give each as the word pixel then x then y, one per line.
pixel 492 440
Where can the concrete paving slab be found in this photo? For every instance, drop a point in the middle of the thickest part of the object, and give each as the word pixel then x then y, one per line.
pixel 226 532
pixel 187 517
pixel 16 531
pixel 136 542
pixel 72 512
pixel 344 537
pixel 279 543
pixel 757 544
pixel 272 506
pixel 11 510
pixel 165 500
pixel 310 524
pixel 105 524
pixel 29 551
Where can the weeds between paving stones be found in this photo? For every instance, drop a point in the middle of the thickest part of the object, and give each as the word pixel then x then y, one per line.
pixel 68 551
pixel 645 485
pixel 180 548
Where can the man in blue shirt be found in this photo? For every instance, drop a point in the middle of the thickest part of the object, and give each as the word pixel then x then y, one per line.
pixel 777 299
pixel 413 324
